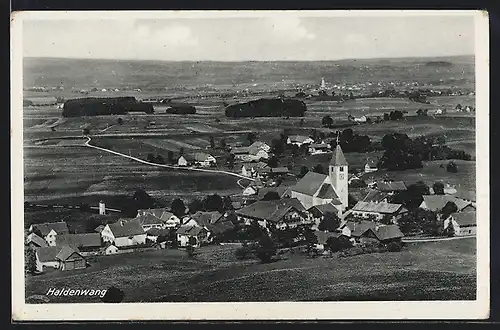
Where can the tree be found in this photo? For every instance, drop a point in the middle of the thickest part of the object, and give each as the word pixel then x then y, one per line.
pixel 212 142
pixel 119 121
pixel 412 197
pixel 29 260
pixel 301 123
pixel 386 117
pixel 318 168
pixel 452 167
pixel 272 162
pixel 181 151
pixel 159 159
pixel 151 158
pixel 227 203
pixel 195 205
pixel 213 203
pixel 335 244
pixel 113 295
pixel 222 143
pixel 142 200
pixel 327 121
pixel 438 188
pixel 86 131
pixel 310 238
pixel 178 208
pixel 448 209
pixel 266 249
pixel 271 196
pixel 417 221
pixel 278 146
pixel 251 137
pixel 330 222
pixel 303 171
pixel 170 156
pixel 394 247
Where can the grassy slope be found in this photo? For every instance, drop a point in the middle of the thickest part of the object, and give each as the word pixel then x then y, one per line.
pixel 430 271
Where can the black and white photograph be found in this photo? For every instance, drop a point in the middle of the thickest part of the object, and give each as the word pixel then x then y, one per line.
pixel 293 162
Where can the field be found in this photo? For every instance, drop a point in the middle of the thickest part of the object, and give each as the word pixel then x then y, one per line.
pixel 422 271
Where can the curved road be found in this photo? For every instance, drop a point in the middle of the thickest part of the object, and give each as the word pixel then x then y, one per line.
pixel 87 144
pixel 424 240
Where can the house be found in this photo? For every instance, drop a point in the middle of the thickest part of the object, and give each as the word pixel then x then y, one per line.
pixel 249 191
pixel 59 257
pixel 149 221
pixel 368 232
pixel 261 145
pixel 186 233
pixel 246 171
pixel 204 159
pixel 283 192
pixel 110 249
pixel 85 243
pixel 183 160
pixel 152 234
pixel 49 231
pixel 36 241
pixel 376 196
pixel 355 228
pixel 215 223
pixel 99 228
pixel 379 211
pixel 258 153
pixel 318 211
pixel 451 190
pixel 299 140
pixel 278 213
pixel 436 203
pixel 167 218
pixel 466 195
pixel 391 186
pixel 124 233
pixel 318 148
pixel 361 119
pixel 371 166
pixel 316 189
pixel 464 223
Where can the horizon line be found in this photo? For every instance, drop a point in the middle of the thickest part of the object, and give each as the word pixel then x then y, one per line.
pixel 243 61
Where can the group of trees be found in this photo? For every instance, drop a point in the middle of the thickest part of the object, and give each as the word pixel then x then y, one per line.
pixel 393 115
pixel 92 106
pixel 267 108
pixel 210 203
pixel 402 152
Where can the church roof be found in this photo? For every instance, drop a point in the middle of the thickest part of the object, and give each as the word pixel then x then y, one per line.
pixel 310 183
pixel 338 158
pixel 326 192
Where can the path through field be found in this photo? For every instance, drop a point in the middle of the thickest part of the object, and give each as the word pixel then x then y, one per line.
pixel 425 240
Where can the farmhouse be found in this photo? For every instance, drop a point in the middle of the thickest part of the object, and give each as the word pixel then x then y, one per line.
pixel 258 153
pixel 277 213
pixel 59 257
pixel 153 233
pixel 318 148
pixel 85 243
pixel 168 219
pixel 316 189
pixel 379 211
pixel 371 166
pixel 318 212
pixel 361 119
pixel 185 160
pixel 466 195
pixel 391 186
pixel 260 145
pixel 149 221
pixel 49 231
pixel 110 249
pixel 463 223
pixel 36 241
pixel 299 140
pixel 204 159
pixel 214 222
pixel 240 153
pixel 436 203
pixel 124 233
pixel 283 192
pixel 368 232
pixel 191 235
pixel 376 196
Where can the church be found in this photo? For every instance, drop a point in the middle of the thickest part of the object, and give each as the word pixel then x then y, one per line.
pixel 318 189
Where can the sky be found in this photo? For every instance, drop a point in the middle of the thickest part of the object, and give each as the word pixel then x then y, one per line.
pixel 272 38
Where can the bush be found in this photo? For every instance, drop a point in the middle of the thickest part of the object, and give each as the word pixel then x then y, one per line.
pixel 452 167
pixel 394 247
pixel 242 253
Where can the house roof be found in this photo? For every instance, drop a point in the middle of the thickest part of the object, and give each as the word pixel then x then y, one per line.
pixel 391 186
pixel 465 219
pixel 45 228
pixel 327 192
pixel 466 194
pixel 99 228
pixel 34 238
pixel 375 196
pixel 240 150
pixel 79 240
pixel 358 228
pixel 189 230
pixel 324 236
pixel 310 183
pixel 124 228
pixel 281 191
pixel 66 252
pixel 325 208
pixel 318 145
pixel 197 156
pixel 338 158
pixel 220 227
pixel 299 138
pixel 149 219
pixel 437 202
pixel 279 170
pixel 154 232
pixel 253 150
pixel 382 207
pixel 270 210
pixel 388 232
pixel 259 144
pixel 188 157
pixel 206 218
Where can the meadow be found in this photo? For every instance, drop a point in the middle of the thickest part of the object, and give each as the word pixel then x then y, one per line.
pixel 421 271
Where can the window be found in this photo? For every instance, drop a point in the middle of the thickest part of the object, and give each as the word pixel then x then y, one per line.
pixel 341 168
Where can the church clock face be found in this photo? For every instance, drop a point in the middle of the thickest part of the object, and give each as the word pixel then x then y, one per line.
pixel 341 176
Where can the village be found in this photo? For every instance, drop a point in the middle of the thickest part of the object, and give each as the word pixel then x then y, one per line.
pixel 314 213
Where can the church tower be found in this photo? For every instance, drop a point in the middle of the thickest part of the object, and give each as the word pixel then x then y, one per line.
pixel 338 171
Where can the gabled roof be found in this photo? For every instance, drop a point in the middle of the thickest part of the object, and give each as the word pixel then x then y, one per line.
pixel 388 232
pixel 298 138
pixel 259 144
pixel 206 218
pixel 391 186
pixel 149 219
pixel 281 191
pixel 66 252
pixel 324 208
pixel 318 145
pixel 466 194
pixel 201 156
pixel 375 196
pixel 45 228
pixel 437 202
pixel 279 170
pixel 99 228
pixel 124 228
pixel 156 212
pixel 34 238
pixel 338 158
pixel 79 240
pixel 220 227
pixel 270 210
pixel 358 228
pixel 382 207
pixel 465 219
pixel 154 232
pixel 310 183
pixel 188 157
pixel 189 230
pixel 240 150
pixel 327 192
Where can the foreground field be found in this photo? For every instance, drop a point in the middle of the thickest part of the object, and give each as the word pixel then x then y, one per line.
pixel 422 271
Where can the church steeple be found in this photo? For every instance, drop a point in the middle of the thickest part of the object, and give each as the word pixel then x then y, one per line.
pixel 338 158
pixel 338 172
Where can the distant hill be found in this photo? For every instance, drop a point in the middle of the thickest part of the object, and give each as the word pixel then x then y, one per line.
pixel 439 63
pixel 158 75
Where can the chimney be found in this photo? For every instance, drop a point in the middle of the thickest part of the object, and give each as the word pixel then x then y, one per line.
pixel 102 208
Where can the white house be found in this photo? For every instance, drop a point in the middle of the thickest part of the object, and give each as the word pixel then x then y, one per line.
pixel 318 148
pixel 249 191
pixel 187 233
pixel 361 119
pixel 463 223
pixel 379 210
pixel 204 159
pixel 182 161
pixel 370 167
pixel 299 140
pixel 59 257
pixel 149 221
pixel 261 145
pixel 124 233
pixel 49 231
